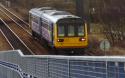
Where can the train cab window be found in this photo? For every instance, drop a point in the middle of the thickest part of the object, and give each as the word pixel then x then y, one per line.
pixel 81 30
pixel 61 32
pixel 71 30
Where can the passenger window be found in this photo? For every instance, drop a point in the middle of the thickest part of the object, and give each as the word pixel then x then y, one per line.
pixel 45 25
pixel 35 19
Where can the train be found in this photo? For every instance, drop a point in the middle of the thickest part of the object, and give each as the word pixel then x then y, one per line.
pixel 60 29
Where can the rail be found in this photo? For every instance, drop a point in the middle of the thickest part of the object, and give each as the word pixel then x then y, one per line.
pixel 16 65
pixel 18 23
pixel 14 14
pixel 15 41
pixel 6 39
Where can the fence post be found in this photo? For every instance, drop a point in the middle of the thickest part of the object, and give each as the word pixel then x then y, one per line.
pixel 68 68
pixel 106 69
pixel 48 67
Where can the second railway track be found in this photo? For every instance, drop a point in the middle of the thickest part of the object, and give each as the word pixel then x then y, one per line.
pixel 13 39
pixel 23 34
pixel 15 16
pixel 16 20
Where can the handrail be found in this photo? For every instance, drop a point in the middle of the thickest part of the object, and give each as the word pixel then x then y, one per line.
pixel 53 66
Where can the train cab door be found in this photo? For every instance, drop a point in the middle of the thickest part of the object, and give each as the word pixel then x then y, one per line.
pixel 52 34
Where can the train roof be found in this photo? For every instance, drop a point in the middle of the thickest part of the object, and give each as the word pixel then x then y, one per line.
pixel 51 14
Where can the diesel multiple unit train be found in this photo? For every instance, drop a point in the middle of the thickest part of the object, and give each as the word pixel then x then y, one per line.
pixel 60 29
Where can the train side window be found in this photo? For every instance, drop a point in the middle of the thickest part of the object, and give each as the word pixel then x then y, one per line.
pixel 71 30
pixel 61 32
pixel 35 19
pixel 45 25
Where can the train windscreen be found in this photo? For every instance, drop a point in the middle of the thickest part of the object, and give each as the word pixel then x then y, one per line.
pixel 70 28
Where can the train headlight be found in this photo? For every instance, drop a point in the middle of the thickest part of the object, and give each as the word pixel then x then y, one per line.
pixel 82 39
pixel 60 40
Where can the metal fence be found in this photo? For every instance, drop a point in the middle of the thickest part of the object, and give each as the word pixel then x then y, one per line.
pixel 13 64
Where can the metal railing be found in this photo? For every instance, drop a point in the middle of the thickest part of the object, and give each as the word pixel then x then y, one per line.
pixel 13 64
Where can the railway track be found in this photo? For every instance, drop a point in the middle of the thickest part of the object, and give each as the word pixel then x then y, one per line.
pixel 7 39
pixel 14 40
pixel 4 43
pixel 16 20
pixel 24 34
pixel 15 15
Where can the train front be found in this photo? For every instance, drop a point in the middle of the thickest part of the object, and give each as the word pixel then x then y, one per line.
pixel 71 34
